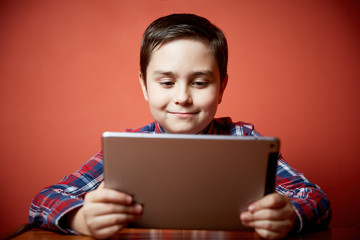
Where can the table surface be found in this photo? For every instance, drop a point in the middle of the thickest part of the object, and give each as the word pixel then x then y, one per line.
pixel 134 233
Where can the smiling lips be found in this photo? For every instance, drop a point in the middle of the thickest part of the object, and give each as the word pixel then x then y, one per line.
pixel 183 114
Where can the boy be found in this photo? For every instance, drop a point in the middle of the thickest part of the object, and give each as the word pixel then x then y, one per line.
pixel 183 76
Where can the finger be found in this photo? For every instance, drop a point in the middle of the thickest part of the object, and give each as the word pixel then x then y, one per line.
pixel 274 226
pixel 270 234
pixel 102 185
pixel 273 200
pixel 98 209
pixel 109 220
pixel 272 214
pixel 108 195
pixel 107 232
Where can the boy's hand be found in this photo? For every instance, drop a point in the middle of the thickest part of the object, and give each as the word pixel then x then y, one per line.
pixel 104 213
pixel 272 217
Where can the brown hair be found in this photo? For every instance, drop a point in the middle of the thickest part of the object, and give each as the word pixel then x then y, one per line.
pixel 177 26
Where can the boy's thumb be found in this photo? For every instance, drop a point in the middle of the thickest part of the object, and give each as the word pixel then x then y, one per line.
pixel 102 185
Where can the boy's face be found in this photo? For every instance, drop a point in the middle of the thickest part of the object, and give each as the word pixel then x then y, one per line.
pixel 183 86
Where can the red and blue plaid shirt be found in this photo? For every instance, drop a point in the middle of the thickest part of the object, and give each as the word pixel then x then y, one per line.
pixel 54 202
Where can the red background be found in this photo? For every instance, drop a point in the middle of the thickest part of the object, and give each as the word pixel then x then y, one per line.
pixel 68 72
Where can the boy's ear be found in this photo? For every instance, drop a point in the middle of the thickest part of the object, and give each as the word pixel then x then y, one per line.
pixel 222 87
pixel 143 85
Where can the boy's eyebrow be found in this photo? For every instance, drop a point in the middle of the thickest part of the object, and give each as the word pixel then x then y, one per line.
pixel 193 74
pixel 166 73
pixel 203 73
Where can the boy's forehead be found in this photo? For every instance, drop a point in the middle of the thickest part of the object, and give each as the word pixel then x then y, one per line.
pixel 179 47
pixel 205 72
pixel 181 56
pixel 189 39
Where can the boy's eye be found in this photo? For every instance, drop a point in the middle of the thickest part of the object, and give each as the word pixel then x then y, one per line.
pixel 200 84
pixel 167 83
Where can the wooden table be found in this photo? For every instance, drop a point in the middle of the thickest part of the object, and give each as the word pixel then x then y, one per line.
pixel 133 233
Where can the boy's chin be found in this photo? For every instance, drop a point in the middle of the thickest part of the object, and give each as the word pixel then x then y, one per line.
pixel 183 127
pixel 183 130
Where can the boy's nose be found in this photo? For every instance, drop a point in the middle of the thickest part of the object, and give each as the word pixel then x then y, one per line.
pixel 183 96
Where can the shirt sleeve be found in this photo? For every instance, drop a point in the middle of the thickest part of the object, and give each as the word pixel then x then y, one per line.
pixel 51 204
pixel 309 201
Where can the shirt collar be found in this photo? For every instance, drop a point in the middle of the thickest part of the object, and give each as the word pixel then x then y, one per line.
pixel 158 128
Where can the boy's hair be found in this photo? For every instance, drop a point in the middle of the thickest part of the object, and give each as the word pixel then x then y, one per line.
pixel 178 26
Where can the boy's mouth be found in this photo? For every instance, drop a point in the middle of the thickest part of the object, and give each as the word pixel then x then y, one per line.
pixel 183 114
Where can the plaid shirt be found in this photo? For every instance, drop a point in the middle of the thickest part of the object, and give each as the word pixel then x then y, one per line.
pixel 54 202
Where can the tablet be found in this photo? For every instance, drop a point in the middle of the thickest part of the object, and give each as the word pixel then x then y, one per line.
pixel 190 181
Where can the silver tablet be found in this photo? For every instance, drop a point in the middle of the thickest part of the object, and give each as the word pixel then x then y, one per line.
pixel 190 181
